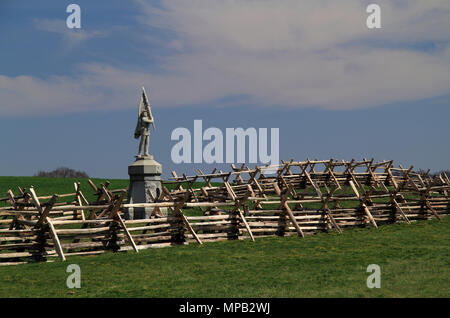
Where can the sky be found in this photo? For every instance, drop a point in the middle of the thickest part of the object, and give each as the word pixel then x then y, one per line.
pixel 333 87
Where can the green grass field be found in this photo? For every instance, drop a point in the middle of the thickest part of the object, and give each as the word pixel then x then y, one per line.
pixel 414 261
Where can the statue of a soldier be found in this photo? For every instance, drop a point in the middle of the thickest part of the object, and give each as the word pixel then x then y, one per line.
pixel 145 119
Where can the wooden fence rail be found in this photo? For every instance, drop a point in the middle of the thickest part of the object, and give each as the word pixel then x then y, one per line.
pixel 297 198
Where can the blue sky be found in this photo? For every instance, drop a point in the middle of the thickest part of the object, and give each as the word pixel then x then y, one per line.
pixel 311 69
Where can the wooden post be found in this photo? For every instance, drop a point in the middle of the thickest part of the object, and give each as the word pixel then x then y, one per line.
pixel 127 233
pixel 284 205
pixel 252 180
pixel 310 180
pixel 189 227
pixel 115 215
pixel 78 196
pixel 55 239
pixel 329 169
pixel 106 193
pixel 333 221
pixel 398 208
pixel 207 179
pixel 46 212
pixel 12 199
pixel 35 199
pixel 363 205
pixel 179 182
pixel 237 209
pixel 177 212
pixel 93 186
pixel 327 210
pixel 238 172
pixel 427 203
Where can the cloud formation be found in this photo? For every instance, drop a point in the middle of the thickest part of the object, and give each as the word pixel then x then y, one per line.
pixel 271 53
pixel 310 53
pixel 71 38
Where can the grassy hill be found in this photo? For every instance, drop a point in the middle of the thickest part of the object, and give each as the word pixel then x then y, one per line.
pixel 414 261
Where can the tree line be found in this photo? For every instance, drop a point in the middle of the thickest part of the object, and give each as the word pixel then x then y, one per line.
pixel 62 172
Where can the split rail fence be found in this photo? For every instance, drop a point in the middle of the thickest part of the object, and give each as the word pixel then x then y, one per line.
pixel 295 198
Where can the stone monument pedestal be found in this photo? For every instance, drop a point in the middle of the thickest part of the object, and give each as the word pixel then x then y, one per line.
pixel 145 175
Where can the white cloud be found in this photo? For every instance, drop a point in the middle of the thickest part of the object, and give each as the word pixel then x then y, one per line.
pixel 309 53
pixel 276 53
pixel 70 37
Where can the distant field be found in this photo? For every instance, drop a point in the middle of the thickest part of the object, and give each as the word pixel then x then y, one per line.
pixel 414 260
pixel 49 186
